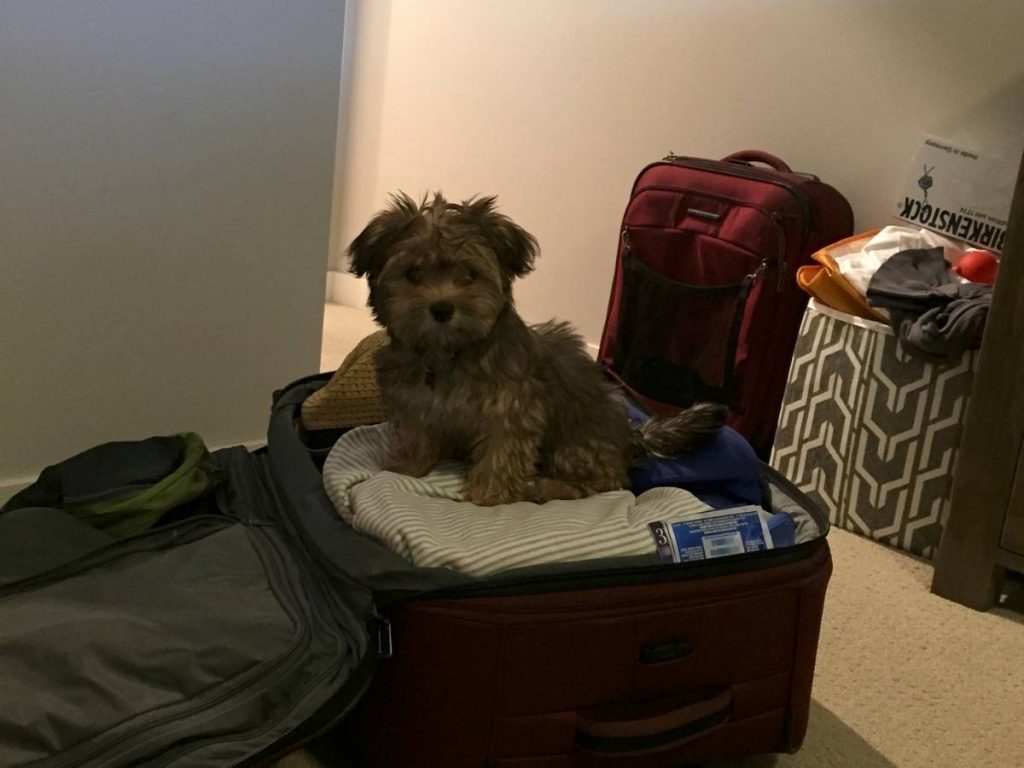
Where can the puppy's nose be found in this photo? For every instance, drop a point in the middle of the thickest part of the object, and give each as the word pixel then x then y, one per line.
pixel 442 311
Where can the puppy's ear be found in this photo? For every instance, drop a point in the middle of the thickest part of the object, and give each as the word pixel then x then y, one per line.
pixel 371 248
pixel 514 246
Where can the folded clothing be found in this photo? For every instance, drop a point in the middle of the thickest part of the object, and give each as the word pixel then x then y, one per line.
pixel 935 316
pixel 845 270
pixel 860 267
pixel 426 520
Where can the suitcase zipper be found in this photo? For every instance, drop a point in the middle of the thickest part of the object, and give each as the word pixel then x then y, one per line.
pixel 170 756
pixel 147 541
pixel 385 642
pixel 319 723
pixel 777 218
pixel 328 716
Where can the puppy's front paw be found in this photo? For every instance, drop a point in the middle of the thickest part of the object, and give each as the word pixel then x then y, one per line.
pixel 545 489
pixel 408 465
pixel 407 468
pixel 411 452
pixel 486 493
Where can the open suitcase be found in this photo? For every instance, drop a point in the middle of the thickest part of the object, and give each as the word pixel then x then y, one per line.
pixel 254 624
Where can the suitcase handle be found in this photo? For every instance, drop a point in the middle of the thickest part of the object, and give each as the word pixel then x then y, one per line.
pixel 757 156
pixel 626 730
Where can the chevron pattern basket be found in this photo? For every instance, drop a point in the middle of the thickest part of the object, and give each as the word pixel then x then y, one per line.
pixel 869 432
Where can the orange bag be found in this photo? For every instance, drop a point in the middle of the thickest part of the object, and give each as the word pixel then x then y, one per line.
pixel 827 284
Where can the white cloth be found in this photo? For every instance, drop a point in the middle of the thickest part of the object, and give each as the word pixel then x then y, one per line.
pixel 426 521
pixel 859 267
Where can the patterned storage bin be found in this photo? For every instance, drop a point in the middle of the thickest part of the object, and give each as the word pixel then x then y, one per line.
pixel 869 432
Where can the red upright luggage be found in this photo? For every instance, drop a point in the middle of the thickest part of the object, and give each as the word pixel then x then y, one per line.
pixel 704 303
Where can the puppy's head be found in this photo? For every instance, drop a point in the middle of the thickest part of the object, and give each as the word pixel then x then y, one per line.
pixel 440 273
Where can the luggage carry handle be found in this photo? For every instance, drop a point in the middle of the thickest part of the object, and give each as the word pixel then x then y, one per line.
pixel 652 726
pixel 747 156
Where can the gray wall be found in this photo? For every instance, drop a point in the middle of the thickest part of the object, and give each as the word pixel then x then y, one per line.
pixel 165 193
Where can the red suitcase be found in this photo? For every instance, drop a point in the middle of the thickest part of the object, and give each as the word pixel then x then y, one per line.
pixel 703 663
pixel 704 304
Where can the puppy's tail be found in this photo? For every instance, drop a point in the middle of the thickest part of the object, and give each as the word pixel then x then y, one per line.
pixel 671 436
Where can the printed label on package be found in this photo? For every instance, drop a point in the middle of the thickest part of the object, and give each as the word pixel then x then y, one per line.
pixel 712 534
pixel 962 193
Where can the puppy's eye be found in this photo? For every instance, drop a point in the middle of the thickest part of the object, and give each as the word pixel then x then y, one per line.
pixel 469 276
pixel 414 274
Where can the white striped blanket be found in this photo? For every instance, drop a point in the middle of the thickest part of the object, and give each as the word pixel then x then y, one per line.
pixel 426 521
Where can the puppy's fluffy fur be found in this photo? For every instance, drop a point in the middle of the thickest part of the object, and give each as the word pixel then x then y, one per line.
pixel 463 376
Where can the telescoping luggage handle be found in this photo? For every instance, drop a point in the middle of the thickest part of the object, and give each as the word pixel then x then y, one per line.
pixel 628 730
pixel 757 156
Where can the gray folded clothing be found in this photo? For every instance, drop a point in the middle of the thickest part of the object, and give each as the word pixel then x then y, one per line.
pixel 936 317
pixel 947 332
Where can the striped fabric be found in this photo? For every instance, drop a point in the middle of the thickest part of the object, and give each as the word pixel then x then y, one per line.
pixel 426 521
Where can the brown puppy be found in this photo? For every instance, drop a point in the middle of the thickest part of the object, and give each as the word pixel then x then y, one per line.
pixel 463 376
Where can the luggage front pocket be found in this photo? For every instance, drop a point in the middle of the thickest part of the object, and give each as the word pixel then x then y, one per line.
pixel 676 342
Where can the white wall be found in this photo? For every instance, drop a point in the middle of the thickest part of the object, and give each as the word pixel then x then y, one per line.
pixel 165 192
pixel 556 105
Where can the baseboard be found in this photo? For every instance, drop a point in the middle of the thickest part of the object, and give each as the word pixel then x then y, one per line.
pixel 592 349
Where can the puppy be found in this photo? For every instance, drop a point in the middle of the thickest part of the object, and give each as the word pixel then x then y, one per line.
pixel 463 377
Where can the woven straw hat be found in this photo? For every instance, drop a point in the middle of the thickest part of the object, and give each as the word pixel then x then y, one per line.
pixel 351 398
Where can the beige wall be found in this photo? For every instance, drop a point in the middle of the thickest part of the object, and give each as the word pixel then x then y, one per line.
pixel 555 105
pixel 165 192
